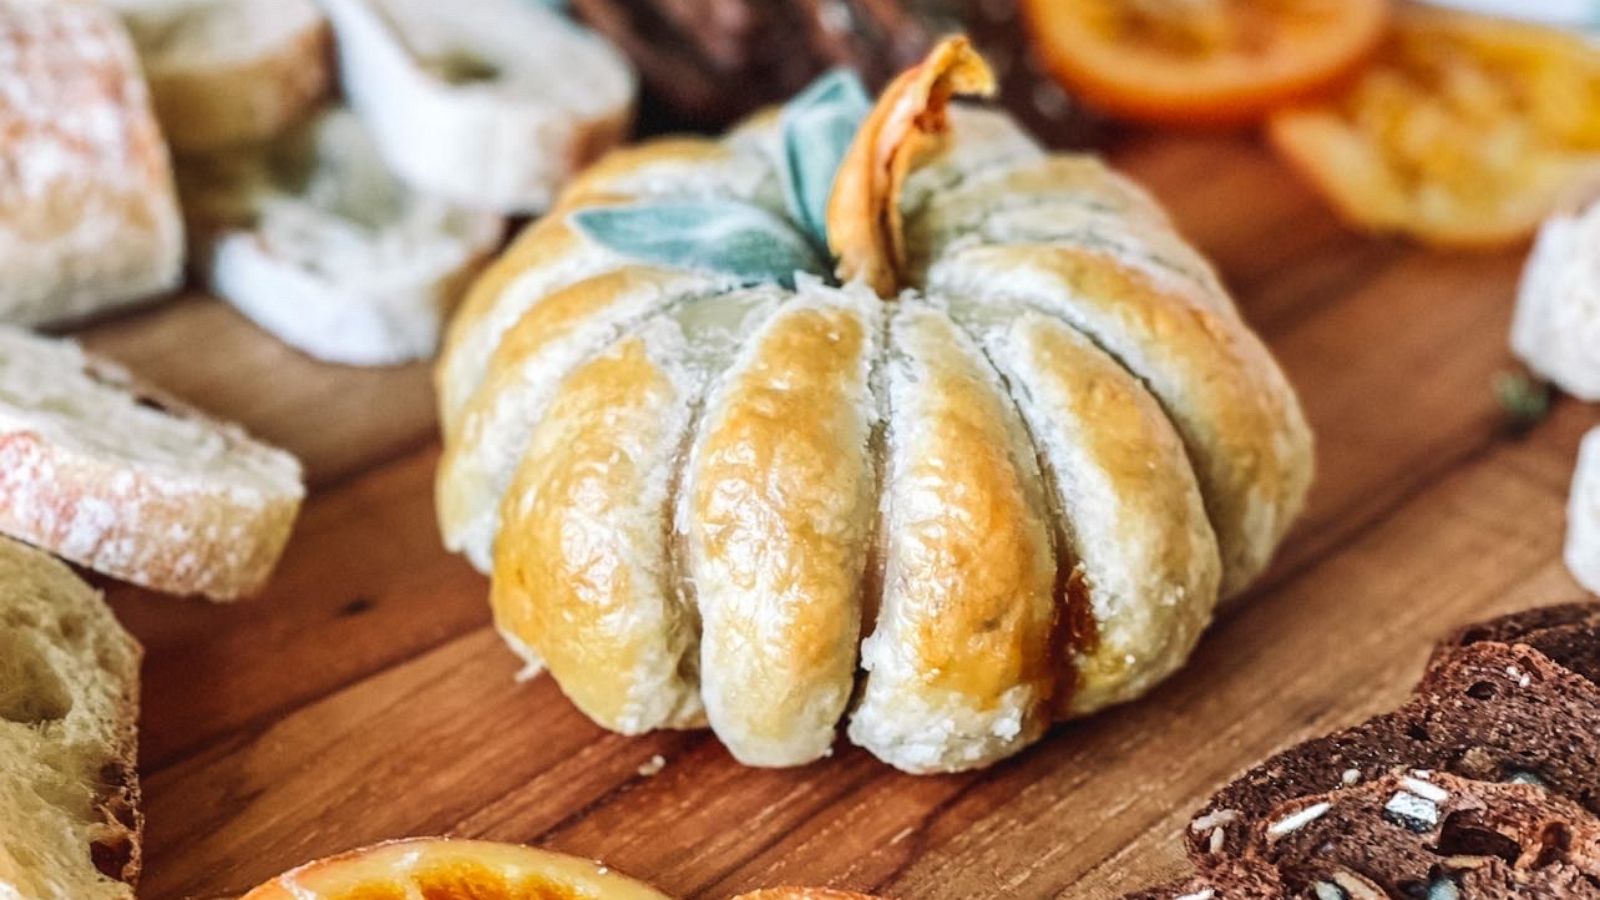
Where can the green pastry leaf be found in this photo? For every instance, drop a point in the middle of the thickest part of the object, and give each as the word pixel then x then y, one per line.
pixel 724 236
pixel 817 128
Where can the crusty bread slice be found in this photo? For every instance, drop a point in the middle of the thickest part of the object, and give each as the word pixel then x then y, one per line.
pixel 229 72
pixel 88 216
pixel 493 103
pixel 69 697
pixel 317 242
pixel 124 480
pixel 1583 515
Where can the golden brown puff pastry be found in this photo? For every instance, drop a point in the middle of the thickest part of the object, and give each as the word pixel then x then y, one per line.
pixel 583 569
pixel 959 669
pixel 778 506
pixel 1002 479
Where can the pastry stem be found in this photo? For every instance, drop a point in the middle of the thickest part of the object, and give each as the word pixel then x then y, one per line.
pixel 865 228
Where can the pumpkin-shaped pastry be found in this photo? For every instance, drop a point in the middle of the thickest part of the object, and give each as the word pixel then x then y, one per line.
pixel 874 413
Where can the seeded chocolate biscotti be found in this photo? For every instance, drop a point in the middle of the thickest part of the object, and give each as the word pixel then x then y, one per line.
pixel 1425 834
pixel 1489 711
pixel 1513 627
pixel 1568 633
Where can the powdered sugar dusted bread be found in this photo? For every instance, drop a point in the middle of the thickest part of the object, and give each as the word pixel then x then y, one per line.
pixel 69 695
pixel 229 72
pixel 131 483
pixel 88 216
pixel 317 242
pixel 1583 515
pixel 493 103
pixel 1556 330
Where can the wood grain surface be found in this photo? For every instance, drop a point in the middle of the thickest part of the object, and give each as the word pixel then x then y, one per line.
pixel 365 696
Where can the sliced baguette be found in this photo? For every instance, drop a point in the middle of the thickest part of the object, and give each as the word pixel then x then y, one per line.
pixel 326 249
pixel 88 215
pixel 126 481
pixel 492 103
pixel 69 696
pixel 229 72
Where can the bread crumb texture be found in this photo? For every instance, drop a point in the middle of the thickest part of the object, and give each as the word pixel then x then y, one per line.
pixel 69 822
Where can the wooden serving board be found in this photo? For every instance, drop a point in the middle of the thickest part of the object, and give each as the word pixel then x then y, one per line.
pixel 365 696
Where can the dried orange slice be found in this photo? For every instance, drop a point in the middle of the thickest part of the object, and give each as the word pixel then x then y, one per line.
pixel 1201 61
pixel 443 868
pixel 1465 130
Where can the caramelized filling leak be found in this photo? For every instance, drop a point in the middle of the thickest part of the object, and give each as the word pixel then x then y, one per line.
pixel 865 226
pixel 1076 631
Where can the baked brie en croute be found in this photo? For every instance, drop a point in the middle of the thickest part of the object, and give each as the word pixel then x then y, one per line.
pixel 875 413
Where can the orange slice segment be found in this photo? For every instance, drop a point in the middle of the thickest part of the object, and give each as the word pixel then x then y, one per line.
pixel 1465 131
pixel 1213 62
pixel 444 869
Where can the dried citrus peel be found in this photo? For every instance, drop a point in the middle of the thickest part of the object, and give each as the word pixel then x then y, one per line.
pixel 865 228
pixel 444 867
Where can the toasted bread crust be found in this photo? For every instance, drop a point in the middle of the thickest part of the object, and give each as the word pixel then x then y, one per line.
pixel 216 98
pixel 90 220
pixel 49 615
pixel 69 489
pixel 509 130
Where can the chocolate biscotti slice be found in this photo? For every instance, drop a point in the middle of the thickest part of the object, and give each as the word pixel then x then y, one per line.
pixel 1423 834
pixel 1513 627
pixel 1568 633
pixel 1490 711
